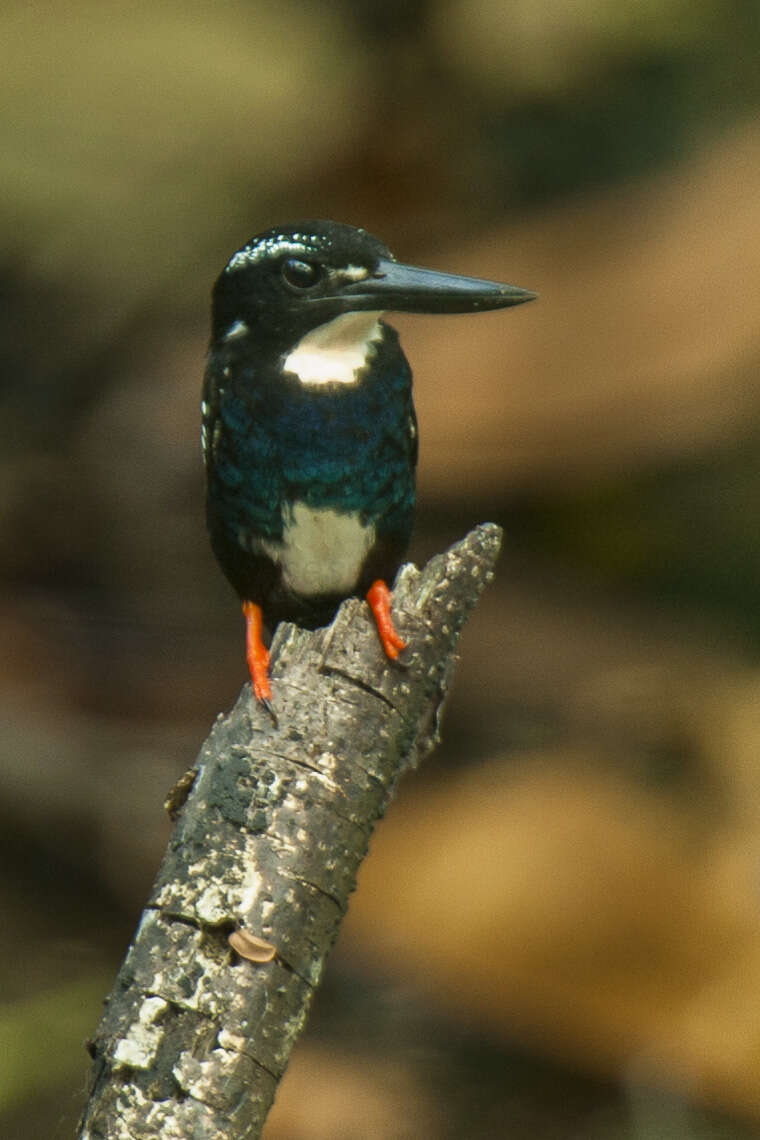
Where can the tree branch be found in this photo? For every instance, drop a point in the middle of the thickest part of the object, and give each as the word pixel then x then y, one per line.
pixel 255 881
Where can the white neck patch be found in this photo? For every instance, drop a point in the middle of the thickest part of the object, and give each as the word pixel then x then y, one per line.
pixel 336 352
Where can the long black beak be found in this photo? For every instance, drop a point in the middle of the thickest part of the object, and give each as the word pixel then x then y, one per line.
pixel 407 289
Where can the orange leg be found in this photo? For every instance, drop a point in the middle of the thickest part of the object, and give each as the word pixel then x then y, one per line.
pixel 257 655
pixel 379 598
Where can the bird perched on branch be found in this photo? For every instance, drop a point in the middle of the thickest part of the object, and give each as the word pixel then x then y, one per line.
pixel 309 431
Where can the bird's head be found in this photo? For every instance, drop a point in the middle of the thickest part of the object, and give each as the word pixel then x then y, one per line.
pixel 290 281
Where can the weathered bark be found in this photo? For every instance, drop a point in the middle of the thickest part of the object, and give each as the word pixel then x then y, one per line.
pixel 195 1037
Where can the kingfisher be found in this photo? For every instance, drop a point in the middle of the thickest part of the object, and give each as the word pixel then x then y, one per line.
pixel 308 426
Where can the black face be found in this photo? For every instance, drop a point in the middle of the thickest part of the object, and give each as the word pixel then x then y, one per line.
pixel 295 276
pixel 292 278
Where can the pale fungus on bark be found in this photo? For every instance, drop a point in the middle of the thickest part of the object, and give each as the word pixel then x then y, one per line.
pixel 248 946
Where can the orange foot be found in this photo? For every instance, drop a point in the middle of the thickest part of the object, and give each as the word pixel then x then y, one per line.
pixel 379 598
pixel 258 657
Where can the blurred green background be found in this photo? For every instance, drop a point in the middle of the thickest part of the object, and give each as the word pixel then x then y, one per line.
pixel 557 933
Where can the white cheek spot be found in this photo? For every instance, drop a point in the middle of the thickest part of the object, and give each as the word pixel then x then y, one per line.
pixel 354 272
pixel 336 352
pixel 236 330
pixel 322 551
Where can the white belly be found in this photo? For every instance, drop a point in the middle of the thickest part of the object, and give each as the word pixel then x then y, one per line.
pixel 322 551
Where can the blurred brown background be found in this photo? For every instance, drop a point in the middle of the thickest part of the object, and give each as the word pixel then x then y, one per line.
pixel 557 933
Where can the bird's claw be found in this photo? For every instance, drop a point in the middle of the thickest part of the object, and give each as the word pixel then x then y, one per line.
pixel 267 704
pixel 379 598
pixel 258 658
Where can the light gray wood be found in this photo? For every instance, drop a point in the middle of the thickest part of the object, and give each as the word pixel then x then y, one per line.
pixel 195 1038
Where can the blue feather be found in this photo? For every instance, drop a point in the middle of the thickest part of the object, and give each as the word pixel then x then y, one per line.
pixel 348 447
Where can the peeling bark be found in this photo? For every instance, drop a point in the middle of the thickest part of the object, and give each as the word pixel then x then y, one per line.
pixel 268 842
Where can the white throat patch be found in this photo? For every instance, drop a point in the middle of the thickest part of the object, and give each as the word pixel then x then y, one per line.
pixel 336 352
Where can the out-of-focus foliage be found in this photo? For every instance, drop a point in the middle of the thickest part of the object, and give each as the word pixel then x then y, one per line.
pixel 558 931
pixel 36 1037
pixel 135 132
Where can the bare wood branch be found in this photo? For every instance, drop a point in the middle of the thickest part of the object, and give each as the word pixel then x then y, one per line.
pixel 197 1029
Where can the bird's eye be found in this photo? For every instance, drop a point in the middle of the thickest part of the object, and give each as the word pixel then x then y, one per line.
pixel 300 274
